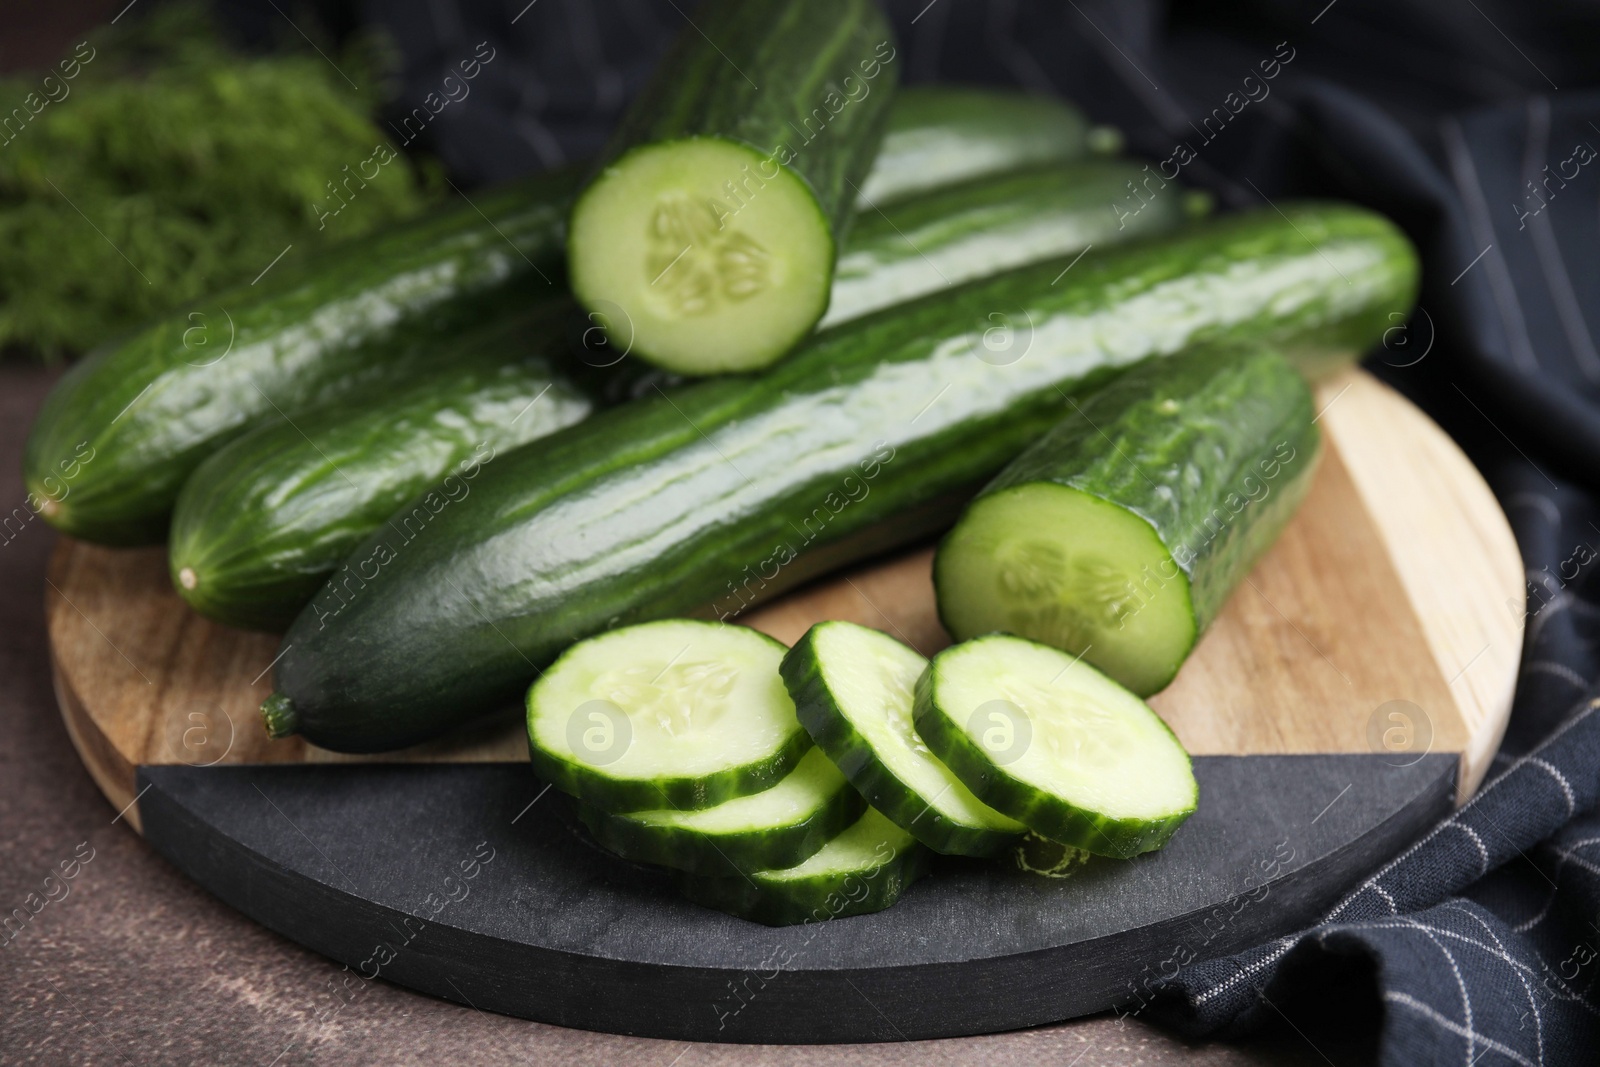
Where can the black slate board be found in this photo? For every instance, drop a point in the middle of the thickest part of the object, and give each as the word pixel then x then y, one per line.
pixel 467 881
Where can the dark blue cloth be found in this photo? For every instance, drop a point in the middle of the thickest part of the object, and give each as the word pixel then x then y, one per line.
pixel 1468 122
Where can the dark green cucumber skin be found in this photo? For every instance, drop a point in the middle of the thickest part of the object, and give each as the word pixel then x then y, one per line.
pixel 755 71
pixel 124 496
pixel 155 405
pixel 1045 815
pixel 939 134
pixel 979 228
pixel 604 793
pixel 870 436
pixel 819 713
pixel 814 900
pixel 1241 413
pixel 726 855
pixel 270 516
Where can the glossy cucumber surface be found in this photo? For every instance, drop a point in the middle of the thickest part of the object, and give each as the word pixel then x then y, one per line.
pixel 723 493
pixel 154 406
pixel 106 468
pixel 263 522
pixel 939 134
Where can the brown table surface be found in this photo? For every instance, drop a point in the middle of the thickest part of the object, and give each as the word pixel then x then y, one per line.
pixel 138 966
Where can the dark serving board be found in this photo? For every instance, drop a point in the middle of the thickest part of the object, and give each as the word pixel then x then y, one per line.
pixel 1352 691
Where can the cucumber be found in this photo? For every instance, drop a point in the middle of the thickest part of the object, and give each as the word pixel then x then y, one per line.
pixel 262 524
pixel 330 319
pixel 154 406
pixel 713 225
pixel 1121 532
pixel 955 235
pixel 1056 745
pixel 673 714
pixel 853 689
pixel 777 827
pixel 864 869
pixel 728 491
pixel 939 135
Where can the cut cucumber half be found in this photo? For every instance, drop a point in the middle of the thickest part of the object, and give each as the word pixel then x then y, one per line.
pixel 778 827
pixel 864 869
pixel 1050 741
pixel 708 237
pixel 853 689
pixel 706 285
pixel 1121 532
pixel 675 714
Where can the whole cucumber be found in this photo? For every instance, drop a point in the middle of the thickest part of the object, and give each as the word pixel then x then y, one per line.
pixel 711 497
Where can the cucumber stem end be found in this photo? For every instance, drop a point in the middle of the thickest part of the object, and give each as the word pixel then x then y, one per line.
pixel 279 716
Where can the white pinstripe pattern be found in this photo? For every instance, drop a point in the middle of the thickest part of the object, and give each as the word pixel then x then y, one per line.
pixel 1500 951
pixel 1283 945
pixel 1409 1001
pixel 1566 786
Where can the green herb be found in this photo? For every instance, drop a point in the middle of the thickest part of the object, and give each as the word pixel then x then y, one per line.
pixel 154 164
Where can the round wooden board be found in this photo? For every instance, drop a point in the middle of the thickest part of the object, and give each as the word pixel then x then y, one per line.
pixel 1353 687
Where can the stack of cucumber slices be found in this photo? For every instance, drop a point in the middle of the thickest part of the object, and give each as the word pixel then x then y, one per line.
pixel 814 784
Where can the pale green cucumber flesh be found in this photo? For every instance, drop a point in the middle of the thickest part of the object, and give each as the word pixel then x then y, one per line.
pixel 1050 741
pixel 676 714
pixel 706 255
pixel 863 869
pixel 777 827
pixel 1072 570
pixel 854 689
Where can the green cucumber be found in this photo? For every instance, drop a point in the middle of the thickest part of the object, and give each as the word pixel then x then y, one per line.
pixel 1121 532
pixel 1056 745
pixel 939 135
pixel 154 406
pixel 262 524
pixel 673 714
pixel 862 870
pixel 713 226
pixel 853 690
pixel 777 827
pixel 314 331
pixel 955 235
pixel 729 491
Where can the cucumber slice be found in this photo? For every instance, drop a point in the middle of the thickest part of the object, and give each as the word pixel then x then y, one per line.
pixel 1121 532
pixel 863 869
pixel 706 288
pixel 675 714
pixel 778 827
pixel 1050 741
pixel 853 689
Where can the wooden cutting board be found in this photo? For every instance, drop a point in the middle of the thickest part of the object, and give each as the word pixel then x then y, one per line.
pixel 1353 688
